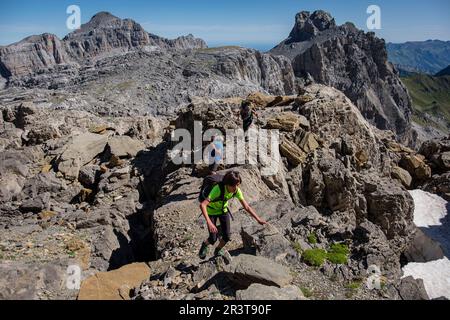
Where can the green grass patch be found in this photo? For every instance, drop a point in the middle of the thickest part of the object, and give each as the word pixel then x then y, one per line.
pixel 339 248
pixel 354 285
pixel 314 257
pixel 215 49
pixel 429 94
pixel 123 86
pixel 297 247
pixel 306 292
pixel 312 238
pixel 383 284
pixel 349 294
pixel 338 253
pixel 337 258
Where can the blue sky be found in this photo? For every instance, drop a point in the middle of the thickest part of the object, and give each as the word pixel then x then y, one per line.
pixel 259 24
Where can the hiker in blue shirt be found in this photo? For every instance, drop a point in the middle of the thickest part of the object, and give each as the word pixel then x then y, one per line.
pixel 216 155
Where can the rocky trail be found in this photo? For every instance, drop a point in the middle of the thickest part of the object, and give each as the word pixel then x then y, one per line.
pixel 104 195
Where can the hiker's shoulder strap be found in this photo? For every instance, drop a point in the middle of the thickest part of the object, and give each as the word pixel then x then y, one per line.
pixel 222 191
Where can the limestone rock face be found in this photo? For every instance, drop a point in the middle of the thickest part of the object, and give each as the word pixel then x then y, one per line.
pixel 124 146
pixel 261 292
pixel 273 73
pixel 287 122
pixel 79 152
pixel 32 54
pixel 247 269
pixel 105 34
pixel 402 175
pixel 413 289
pixel 32 281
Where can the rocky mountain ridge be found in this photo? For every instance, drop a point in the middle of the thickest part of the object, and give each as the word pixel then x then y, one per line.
pixel 111 43
pixel 104 35
pixel 428 57
pixel 444 72
pixel 354 62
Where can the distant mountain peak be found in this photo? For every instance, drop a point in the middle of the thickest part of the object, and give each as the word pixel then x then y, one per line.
pixel 444 72
pixel 352 61
pixel 429 56
pixel 308 25
pixel 101 20
pixel 102 17
pixel 106 22
pixel 105 35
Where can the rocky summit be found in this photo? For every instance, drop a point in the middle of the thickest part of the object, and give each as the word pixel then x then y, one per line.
pixel 354 62
pixel 87 179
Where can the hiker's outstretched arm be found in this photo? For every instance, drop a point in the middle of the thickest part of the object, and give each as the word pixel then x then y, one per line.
pixel 252 212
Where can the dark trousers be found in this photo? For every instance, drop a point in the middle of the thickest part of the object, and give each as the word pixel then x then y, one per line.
pixel 225 223
pixel 247 123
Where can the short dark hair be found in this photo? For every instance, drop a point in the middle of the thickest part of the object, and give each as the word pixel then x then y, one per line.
pixel 245 103
pixel 232 178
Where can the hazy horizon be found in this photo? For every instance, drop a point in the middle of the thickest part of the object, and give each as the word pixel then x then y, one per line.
pixel 254 24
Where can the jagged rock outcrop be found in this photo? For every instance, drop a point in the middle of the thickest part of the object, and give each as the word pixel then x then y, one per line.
pixel 308 26
pixel 437 156
pixel 353 62
pixel 413 289
pixel 180 43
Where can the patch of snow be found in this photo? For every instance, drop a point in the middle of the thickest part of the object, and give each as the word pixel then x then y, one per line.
pixel 435 275
pixel 431 215
pixel 430 209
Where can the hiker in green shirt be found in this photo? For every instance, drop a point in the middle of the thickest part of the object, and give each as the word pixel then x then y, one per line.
pixel 214 210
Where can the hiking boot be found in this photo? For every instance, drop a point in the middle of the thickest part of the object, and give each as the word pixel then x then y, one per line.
pixel 224 254
pixel 203 251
